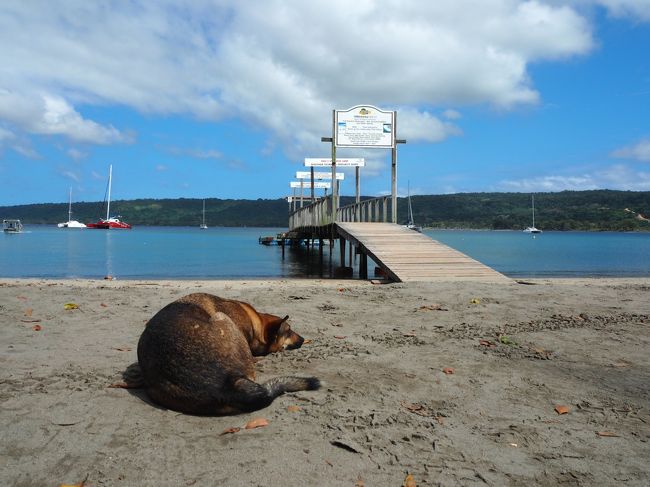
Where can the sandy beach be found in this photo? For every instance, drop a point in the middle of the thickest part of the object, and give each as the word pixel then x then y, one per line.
pixel 542 382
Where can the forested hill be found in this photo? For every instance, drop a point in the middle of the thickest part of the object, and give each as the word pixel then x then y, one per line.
pixel 566 210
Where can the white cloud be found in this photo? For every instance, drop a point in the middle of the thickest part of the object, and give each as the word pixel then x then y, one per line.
pixel 418 126
pixel 451 114
pixel 639 151
pixel 637 9
pixel 614 177
pixel 71 175
pixel 76 154
pixel 6 135
pixel 17 144
pixel 45 114
pixel 282 65
pixel 161 167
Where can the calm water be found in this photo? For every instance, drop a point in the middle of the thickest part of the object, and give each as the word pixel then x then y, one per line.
pixel 554 254
pixel 191 253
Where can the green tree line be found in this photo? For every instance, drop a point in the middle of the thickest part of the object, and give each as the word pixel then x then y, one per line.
pixel 567 210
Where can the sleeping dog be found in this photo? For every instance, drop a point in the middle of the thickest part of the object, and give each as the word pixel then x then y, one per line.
pixel 196 356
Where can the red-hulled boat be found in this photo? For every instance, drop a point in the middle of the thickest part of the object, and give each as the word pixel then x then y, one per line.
pixel 109 222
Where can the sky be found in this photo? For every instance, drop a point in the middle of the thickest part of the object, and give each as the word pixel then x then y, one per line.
pixel 225 99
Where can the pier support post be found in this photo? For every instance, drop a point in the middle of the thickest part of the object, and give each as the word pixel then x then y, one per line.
pixel 342 249
pixel 363 266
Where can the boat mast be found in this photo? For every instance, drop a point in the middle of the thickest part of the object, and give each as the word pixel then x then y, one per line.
pixel 533 198
pixel 203 212
pixel 110 177
pixel 70 205
pixel 410 209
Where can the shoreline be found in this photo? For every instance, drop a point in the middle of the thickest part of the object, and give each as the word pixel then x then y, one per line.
pixel 511 352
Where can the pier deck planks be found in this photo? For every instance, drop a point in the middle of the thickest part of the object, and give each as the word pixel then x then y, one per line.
pixel 407 255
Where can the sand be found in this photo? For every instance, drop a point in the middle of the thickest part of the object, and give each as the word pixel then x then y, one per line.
pixel 517 351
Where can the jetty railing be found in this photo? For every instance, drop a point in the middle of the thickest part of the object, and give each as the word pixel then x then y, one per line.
pixel 372 210
pixel 318 214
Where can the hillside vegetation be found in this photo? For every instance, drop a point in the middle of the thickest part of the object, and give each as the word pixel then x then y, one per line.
pixel 566 210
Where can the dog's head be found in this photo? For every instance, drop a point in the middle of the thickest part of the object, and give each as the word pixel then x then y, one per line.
pixel 278 334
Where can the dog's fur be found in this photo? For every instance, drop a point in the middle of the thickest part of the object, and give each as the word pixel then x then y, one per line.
pixel 196 356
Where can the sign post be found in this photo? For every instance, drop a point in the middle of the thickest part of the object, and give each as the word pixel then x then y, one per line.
pixel 335 189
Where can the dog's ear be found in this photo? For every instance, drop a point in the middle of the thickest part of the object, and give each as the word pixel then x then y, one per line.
pixel 273 326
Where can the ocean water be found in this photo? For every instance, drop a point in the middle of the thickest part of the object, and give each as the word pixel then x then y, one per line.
pixel 45 251
pixel 554 254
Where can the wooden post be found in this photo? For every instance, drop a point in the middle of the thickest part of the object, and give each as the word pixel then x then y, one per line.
pixel 342 249
pixel 335 192
pixel 358 192
pixel 363 266
pixel 302 184
pixel 393 190
pixel 312 184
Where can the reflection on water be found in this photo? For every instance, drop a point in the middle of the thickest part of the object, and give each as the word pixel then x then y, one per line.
pixel 109 250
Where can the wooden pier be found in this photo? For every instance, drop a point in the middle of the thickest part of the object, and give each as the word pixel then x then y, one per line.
pixel 401 253
pixel 406 255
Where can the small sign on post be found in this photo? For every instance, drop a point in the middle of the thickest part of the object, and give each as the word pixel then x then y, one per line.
pixel 327 162
pixel 318 175
pixel 317 184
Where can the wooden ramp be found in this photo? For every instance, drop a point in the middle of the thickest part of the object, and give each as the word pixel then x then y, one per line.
pixel 406 255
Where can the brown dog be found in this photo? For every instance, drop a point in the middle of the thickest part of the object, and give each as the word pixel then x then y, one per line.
pixel 196 356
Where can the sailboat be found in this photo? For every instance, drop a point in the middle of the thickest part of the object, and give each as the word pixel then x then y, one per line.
pixel 203 225
pixel 71 223
pixel 109 222
pixel 532 229
pixel 411 224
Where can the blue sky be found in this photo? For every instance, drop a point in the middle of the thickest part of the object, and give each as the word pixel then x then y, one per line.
pixel 217 98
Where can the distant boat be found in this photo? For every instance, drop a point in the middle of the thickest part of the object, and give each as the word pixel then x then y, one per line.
pixel 203 225
pixel 71 223
pixel 12 226
pixel 110 222
pixel 532 229
pixel 411 224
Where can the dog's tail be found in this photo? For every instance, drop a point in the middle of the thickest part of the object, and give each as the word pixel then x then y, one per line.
pixel 278 386
pixel 251 396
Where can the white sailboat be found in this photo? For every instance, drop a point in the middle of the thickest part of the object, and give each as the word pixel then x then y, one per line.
pixel 532 229
pixel 71 223
pixel 411 224
pixel 203 225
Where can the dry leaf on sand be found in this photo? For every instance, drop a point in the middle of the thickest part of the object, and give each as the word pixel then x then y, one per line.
pixel 607 434
pixel 231 430
pixel 293 409
pixel 409 481
pixel 562 409
pixel 29 311
pixel 37 327
pixel 70 306
pixel 448 370
pixel 256 423
pixel 80 484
